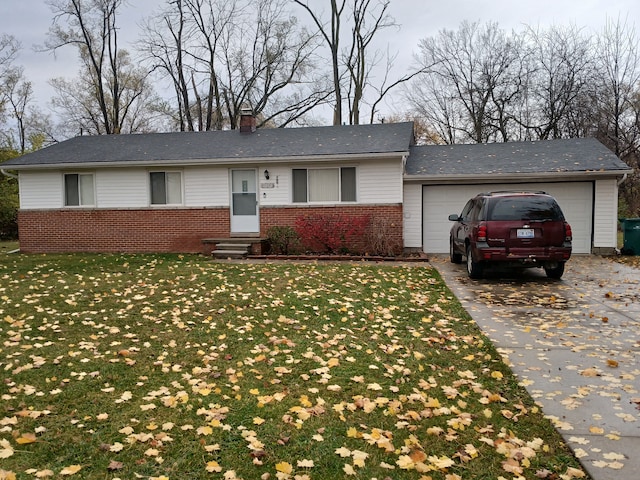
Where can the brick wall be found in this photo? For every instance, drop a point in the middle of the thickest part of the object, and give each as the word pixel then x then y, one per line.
pixel 161 230
pixel 127 231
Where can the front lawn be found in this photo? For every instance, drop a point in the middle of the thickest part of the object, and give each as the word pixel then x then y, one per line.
pixel 176 367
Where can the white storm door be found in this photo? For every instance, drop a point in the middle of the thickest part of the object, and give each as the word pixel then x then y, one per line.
pixel 244 202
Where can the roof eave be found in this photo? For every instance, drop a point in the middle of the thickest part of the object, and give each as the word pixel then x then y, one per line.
pixel 514 177
pixel 209 162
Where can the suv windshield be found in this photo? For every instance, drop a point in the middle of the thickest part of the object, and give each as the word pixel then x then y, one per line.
pixel 524 208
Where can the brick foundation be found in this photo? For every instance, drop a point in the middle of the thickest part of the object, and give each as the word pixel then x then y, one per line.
pixel 126 231
pixel 161 230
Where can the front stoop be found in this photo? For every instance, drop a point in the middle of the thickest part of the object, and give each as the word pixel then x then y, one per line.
pixel 231 249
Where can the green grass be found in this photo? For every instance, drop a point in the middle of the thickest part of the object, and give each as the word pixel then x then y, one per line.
pixel 164 366
pixel 8 246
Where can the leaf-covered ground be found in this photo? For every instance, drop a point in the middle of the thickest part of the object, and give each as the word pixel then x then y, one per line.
pixel 172 367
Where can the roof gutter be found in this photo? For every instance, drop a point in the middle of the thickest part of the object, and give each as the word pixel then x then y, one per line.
pixel 177 163
pixel 7 174
pixel 513 177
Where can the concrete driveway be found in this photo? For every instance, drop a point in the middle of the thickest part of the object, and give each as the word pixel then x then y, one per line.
pixel 575 346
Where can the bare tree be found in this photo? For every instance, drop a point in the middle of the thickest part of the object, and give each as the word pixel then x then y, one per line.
pixel 331 37
pixel 618 100
pixel 80 109
pixel 619 68
pixel 471 78
pixel 113 82
pixel 560 73
pixel 22 126
pixel 221 56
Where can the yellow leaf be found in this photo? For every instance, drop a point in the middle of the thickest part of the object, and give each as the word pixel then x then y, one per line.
pixel 70 470
pixel 213 466
pixel 596 430
pixel 612 363
pixel 284 467
pixel 258 420
pixel 26 439
pixel 4 475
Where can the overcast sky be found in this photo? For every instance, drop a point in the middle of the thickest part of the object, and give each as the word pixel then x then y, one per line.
pixel 29 21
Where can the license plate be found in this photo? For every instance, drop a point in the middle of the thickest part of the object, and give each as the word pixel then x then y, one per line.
pixel 525 233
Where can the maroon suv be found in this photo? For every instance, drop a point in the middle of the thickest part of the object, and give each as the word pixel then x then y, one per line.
pixel 512 229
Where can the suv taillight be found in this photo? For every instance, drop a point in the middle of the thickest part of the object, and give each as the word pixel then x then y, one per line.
pixel 481 236
pixel 568 235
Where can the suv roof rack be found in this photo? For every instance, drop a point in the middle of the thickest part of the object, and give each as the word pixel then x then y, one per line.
pixel 502 192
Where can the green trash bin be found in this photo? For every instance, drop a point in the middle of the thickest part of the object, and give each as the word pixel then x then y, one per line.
pixel 630 236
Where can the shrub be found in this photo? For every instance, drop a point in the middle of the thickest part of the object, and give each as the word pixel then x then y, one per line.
pixel 8 208
pixel 283 240
pixel 336 233
pixel 381 239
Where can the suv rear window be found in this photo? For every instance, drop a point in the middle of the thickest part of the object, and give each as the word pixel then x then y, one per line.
pixel 524 208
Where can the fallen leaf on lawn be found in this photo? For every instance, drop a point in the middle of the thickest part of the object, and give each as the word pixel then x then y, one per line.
pixel 573 473
pixel 6 450
pixel 5 475
pixel 45 473
pixel 26 439
pixel 343 452
pixel 305 463
pixel 213 466
pixel 284 467
pixel 115 465
pixel 70 470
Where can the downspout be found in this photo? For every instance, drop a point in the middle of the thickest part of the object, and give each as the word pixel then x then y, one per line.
pixel 620 180
pixel 7 174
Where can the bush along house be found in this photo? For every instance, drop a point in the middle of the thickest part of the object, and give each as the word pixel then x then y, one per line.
pixel 361 188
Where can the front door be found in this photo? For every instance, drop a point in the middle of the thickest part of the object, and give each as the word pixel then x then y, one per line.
pixel 244 202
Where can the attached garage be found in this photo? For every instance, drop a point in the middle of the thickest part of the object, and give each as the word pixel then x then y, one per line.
pixel 575 199
pixel 581 174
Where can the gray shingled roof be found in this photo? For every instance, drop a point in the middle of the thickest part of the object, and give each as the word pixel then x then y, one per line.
pixel 185 147
pixel 548 156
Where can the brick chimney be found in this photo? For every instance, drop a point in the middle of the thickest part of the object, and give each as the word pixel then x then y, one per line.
pixel 247 121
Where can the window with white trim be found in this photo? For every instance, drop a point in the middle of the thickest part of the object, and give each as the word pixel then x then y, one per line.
pixel 79 190
pixel 324 184
pixel 165 188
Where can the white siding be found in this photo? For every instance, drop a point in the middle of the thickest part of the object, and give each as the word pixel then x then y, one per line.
pixel 412 213
pixel 40 190
pixel 380 182
pixel 605 214
pixel 206 187
pixel 280 179
pixel 117 188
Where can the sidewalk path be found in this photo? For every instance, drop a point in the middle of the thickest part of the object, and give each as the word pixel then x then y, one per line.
pixel 575 345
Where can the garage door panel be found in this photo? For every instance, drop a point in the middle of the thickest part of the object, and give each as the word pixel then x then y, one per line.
pixel 575 199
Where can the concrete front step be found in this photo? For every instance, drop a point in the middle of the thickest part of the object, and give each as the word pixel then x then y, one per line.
pixel 233 246
pixel 230 253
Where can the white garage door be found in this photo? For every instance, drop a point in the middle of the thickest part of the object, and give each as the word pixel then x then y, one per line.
pixel 575 199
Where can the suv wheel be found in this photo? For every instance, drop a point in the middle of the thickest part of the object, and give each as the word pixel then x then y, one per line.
pixel 474 269
pixel 555 272
pixel 453 256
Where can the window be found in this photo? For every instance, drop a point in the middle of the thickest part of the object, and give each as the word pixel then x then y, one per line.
pixel 324 184
pixel 166 188
pixel 78 189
